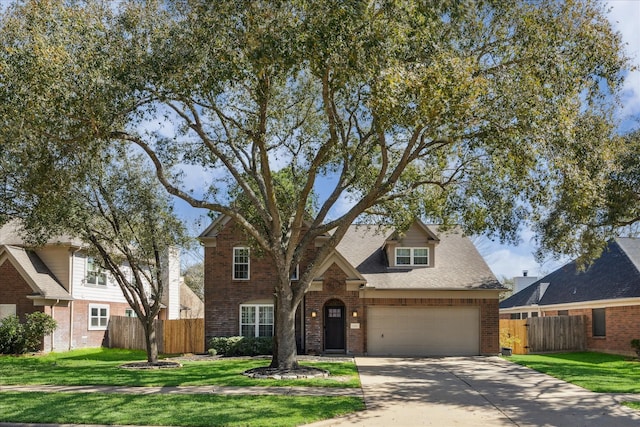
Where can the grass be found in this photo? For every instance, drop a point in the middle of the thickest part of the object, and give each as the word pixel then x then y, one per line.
pixel 632 405
pixel 101 367
pixel 185 410
pixel 599 372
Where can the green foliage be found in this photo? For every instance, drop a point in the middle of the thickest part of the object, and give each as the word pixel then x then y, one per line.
pixel 241 346
pixel 192 410
pixel 20 338
pixel 102 367
pixel 468 113
pixel 599 372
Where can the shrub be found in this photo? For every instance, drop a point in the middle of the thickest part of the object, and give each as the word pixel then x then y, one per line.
pixel 635 343
pixel 19 338
pixel 242 346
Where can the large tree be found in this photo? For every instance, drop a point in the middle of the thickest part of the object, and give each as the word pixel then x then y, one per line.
pixel 469 112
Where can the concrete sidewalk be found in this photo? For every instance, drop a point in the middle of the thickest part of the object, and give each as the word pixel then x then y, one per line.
pixel 254 391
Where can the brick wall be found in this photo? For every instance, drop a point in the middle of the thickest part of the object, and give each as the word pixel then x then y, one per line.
pixel 622 325
pixel 334 291
pixel 14 290
pixel 223 297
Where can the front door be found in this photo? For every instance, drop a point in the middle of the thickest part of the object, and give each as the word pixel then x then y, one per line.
pixel 334 328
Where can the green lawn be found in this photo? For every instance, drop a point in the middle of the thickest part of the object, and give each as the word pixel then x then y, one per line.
pixel 183 410
pixel 101 367
pixel 602 373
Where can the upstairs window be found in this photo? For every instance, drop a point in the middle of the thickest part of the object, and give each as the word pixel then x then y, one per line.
pixel 240 263
pixel 412 256
pixel 295 274
pixel 95 275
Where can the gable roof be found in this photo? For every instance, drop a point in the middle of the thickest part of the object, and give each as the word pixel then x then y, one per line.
pixel 34 272
pixel 616 274
pixel 458 265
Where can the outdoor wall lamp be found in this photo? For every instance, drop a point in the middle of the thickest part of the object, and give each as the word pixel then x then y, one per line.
pixel 355 313
pixel 314 313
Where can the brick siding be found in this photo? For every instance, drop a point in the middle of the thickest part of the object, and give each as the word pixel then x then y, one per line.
pixel 223 297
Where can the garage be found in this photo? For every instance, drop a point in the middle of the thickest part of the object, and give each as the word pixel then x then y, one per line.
pixel 423 331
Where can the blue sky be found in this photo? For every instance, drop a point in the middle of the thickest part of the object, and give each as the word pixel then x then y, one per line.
pixel 508 260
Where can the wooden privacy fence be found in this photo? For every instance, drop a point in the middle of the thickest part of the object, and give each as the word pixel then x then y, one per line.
pixel 546 334
pixel 173 336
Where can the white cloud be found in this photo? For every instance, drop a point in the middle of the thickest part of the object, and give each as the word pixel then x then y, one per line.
pixel 625 16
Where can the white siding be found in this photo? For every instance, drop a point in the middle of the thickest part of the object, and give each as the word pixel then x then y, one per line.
pixel 109 293
pixel 57 259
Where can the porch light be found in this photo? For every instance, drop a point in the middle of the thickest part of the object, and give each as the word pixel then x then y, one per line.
pixel 355 313
pixel 314 313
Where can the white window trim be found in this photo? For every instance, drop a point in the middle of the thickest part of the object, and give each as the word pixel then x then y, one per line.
pixel 97 328
pixel 296 273
pixel 99 270
pixel 233 263
pixel 257 317
pixel 411 255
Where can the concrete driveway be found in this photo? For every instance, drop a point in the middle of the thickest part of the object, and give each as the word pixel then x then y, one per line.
pixel 475 391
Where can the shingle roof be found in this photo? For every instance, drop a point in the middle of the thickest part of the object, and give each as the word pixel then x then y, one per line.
pixel 616 274
pixel 36 273
pixel 458 265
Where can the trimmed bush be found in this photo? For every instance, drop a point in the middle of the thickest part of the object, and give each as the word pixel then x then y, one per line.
pixel 19 338
pixel 242 346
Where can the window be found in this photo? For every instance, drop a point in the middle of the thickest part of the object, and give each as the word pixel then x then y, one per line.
pixel 130 313
pixel 241 263
pixel 98 316
pixel 295 275
pixel 412 256
pixel 563 312
pixel 599 323
pixel 256 320
pixel 95 275
pixel 7 310
pixel 525 315
pixel 534 314
pixel 515 316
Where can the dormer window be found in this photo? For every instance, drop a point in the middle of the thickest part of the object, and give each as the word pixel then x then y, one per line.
pixel 412 257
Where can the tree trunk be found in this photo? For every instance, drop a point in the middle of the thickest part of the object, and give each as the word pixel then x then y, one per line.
pixel 151 341
pixel 285 352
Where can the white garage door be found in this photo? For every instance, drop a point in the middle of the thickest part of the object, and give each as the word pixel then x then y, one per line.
pixel 424 331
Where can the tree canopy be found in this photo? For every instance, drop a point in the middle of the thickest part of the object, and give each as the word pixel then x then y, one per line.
pixel 480 113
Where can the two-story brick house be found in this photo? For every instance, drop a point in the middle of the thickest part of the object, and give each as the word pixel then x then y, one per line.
pixel 61 280
pixel 379 293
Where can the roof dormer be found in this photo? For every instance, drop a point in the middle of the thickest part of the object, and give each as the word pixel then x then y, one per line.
pixel 415 248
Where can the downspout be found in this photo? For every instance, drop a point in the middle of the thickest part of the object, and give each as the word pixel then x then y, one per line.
pixel 53 316
pixel 71 273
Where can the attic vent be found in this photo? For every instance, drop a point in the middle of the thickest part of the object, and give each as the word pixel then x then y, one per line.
pixel 524 273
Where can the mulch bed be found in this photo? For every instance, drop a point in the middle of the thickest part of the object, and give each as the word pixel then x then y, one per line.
pixel 160 364
pixel 286 374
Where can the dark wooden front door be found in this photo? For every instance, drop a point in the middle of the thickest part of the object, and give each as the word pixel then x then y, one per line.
pixel 334 328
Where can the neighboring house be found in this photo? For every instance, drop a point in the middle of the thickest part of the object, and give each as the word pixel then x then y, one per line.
pixel 378 293
pixel 59 279
pixel 191 306
pixel 607 293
